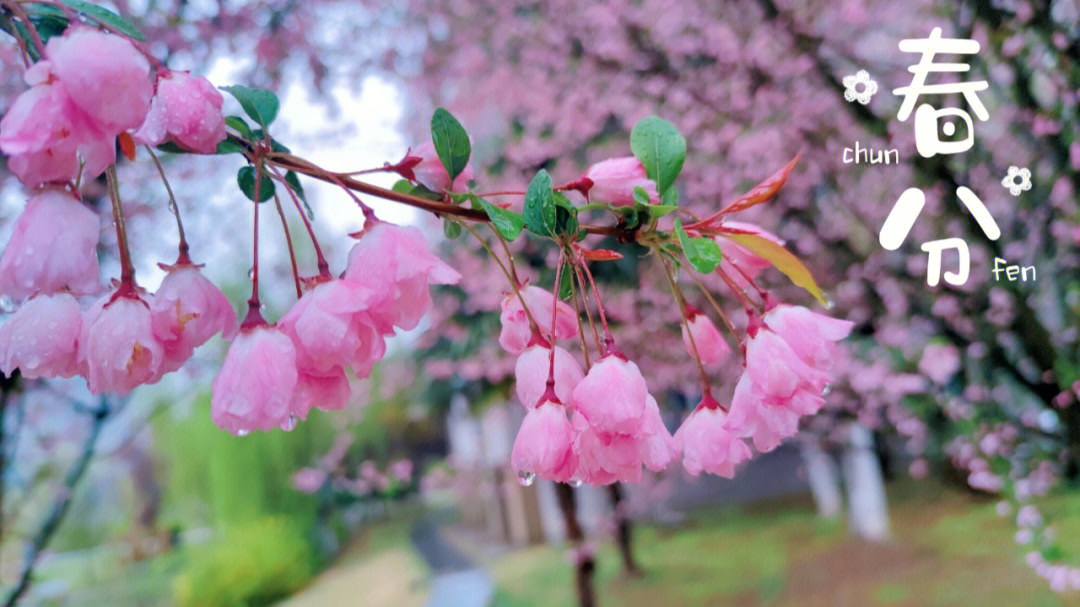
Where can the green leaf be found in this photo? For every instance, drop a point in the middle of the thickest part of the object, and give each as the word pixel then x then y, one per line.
pixel 403 186
pixel 226 146
pixel 656 211
pixel 702 253
pixel 293 180
pixel 660 148
pixel 245 178
pixel 260 105
pixel 106 17
pixel 566 282
pixel 451 228
pixel 670 197
pixel 641 197
pixel 238 124
pixel 631 217
pixel 451 142
pixel 783 260
pixel 566 221
pixel 540 212
pixel 507 223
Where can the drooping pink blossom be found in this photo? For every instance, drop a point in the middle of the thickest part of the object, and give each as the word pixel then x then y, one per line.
pixel 53 248
pixel 708 444
pixel 612 396
pixel 812 336
pixel 710 344
pixel 743 258
pixel 766 418
pixel 395 263
pixel 45 135
pixel 531 374
pixel 516 331
pixel 604 458
pixel 41 339
pixel 329 391
pixel 614 180
pixel 186 311
pixel 118 350
pixel 331 328
pixel 431 173
pixel 185 109
pixel 255 388
pixel 775 368
pixel 544 444
pixel 655 444
pixel 105 76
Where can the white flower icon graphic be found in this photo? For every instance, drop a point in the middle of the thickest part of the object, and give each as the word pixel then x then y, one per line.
pixel 1017 180
pixel 853 84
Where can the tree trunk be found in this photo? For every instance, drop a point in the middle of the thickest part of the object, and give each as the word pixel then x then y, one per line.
pixel 623 530
pixel 869 516
pixel 823 476
pixel 585 564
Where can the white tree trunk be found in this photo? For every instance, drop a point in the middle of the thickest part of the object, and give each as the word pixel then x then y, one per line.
pixel 823 476
pixel 869 516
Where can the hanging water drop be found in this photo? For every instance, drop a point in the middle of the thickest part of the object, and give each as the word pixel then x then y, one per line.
pixel 525 478
pixel 829 303
pixel 575 482
pixel 7 305
pixel 242 432
pixel 251 273
pixel 826 390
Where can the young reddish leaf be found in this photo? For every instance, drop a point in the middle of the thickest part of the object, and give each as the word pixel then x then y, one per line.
pixel 127 145
pixel 782 259
pixel 602 255
pixel 764 190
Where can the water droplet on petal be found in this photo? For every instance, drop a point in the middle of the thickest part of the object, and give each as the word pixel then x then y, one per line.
pixel 525 478
pixel 243 432
pixel 826 390
pixel 575 482
pixel 829 303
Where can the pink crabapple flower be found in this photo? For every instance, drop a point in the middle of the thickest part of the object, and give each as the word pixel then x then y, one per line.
pixel 544 444
pixel 516 333
pixel 614 180
pixel 656 445
pixel 734 254
pixel 53 248
pixel 708 443
pixel 939 362
pixel 394 262
pixel 45 135
pixel 710 344
pixel 185 109
pixel 104 74
pixel 254 389
pixel 531 374
pixel 431 173
pixel 328 391
pixel 331 328
pixel 774 366
pixel 602 458
pixel 308 480
pixel 768 419
pixel 612 396
pixel 118 350
pixel 186 311
pixel 41 339
pixel 811 336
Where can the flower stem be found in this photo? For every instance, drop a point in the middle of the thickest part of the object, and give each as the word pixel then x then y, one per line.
pixel 289 244
pixel 173 206
pixel 680 301
pixel 609 341
pixel 127 269
pixel 324 267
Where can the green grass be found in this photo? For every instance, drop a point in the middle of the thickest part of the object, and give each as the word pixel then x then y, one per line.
pixel 949 548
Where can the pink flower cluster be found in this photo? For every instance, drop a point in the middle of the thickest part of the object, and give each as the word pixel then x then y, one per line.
pixel 603 426
pixel 89 88
pixel 273 375
pixel 126 338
